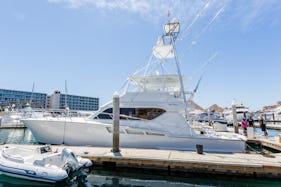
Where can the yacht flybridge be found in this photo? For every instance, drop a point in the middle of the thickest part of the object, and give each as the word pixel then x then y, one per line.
pixel 153 112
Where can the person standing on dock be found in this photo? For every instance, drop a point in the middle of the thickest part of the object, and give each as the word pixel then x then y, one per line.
pixel 262 125
pixel 250 121
pixel 244 126
pixel 250 129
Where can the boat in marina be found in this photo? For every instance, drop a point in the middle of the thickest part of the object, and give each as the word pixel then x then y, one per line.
pixel 241 111
pixel 273 114
pixel 10 118
pixel 204 119
pixel 153 112
pixel 40 164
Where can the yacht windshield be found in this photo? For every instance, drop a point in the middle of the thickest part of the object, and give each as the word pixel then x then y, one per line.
pixel 133 113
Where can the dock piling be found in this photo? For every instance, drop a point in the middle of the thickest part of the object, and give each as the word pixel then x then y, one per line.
pixel 116 119
pixel 209 117
pixel 273 117
pixel 199 148
pixel 235 123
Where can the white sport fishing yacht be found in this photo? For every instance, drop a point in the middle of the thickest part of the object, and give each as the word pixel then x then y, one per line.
pixel 153 113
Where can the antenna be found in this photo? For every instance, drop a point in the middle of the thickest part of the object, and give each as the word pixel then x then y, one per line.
pixel 205 28
pixel 65 89
pixel 169 14
pixel 195 89
pixel 31 97
pixel 65 99
pixel 198 15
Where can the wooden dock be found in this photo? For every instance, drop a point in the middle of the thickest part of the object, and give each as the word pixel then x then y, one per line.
pixel 267 143
pixel 172 161
pixel 271 144
pixel 271 126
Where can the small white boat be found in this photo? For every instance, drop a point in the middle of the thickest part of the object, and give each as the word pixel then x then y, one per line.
pixel 40 164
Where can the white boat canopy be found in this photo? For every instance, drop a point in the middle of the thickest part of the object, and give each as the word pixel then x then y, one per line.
pixel 156 82
pixel 163 51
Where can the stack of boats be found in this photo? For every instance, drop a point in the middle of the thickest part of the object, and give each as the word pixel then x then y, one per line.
pixel 153 112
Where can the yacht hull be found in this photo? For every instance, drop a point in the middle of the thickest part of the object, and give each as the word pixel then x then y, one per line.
pixel 100 135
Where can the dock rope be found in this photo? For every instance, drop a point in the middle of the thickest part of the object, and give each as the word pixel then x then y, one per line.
pixel 255 150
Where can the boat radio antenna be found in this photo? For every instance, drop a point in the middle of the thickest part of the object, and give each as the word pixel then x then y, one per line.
pixel 65 99
pixel 31 96
pixel 168 15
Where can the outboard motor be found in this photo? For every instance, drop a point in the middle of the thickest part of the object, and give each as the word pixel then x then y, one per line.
pixel 70 160
pixel 68 168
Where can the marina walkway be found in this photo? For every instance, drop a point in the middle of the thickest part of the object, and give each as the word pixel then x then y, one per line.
pixel 272 126
pixel 172 161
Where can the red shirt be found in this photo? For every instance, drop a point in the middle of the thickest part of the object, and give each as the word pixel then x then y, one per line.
pixel 244 124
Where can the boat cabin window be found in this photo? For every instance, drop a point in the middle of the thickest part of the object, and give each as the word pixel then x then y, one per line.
pixel 107 114
pixel 132 113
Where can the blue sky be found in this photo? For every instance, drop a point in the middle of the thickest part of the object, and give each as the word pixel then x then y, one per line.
pixel 96 44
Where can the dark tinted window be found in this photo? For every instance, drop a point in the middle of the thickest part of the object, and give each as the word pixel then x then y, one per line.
pixel 107 114
pixel 133 113
pixel 104 116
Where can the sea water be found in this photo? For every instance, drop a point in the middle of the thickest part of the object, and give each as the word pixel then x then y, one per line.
pixel 105 178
